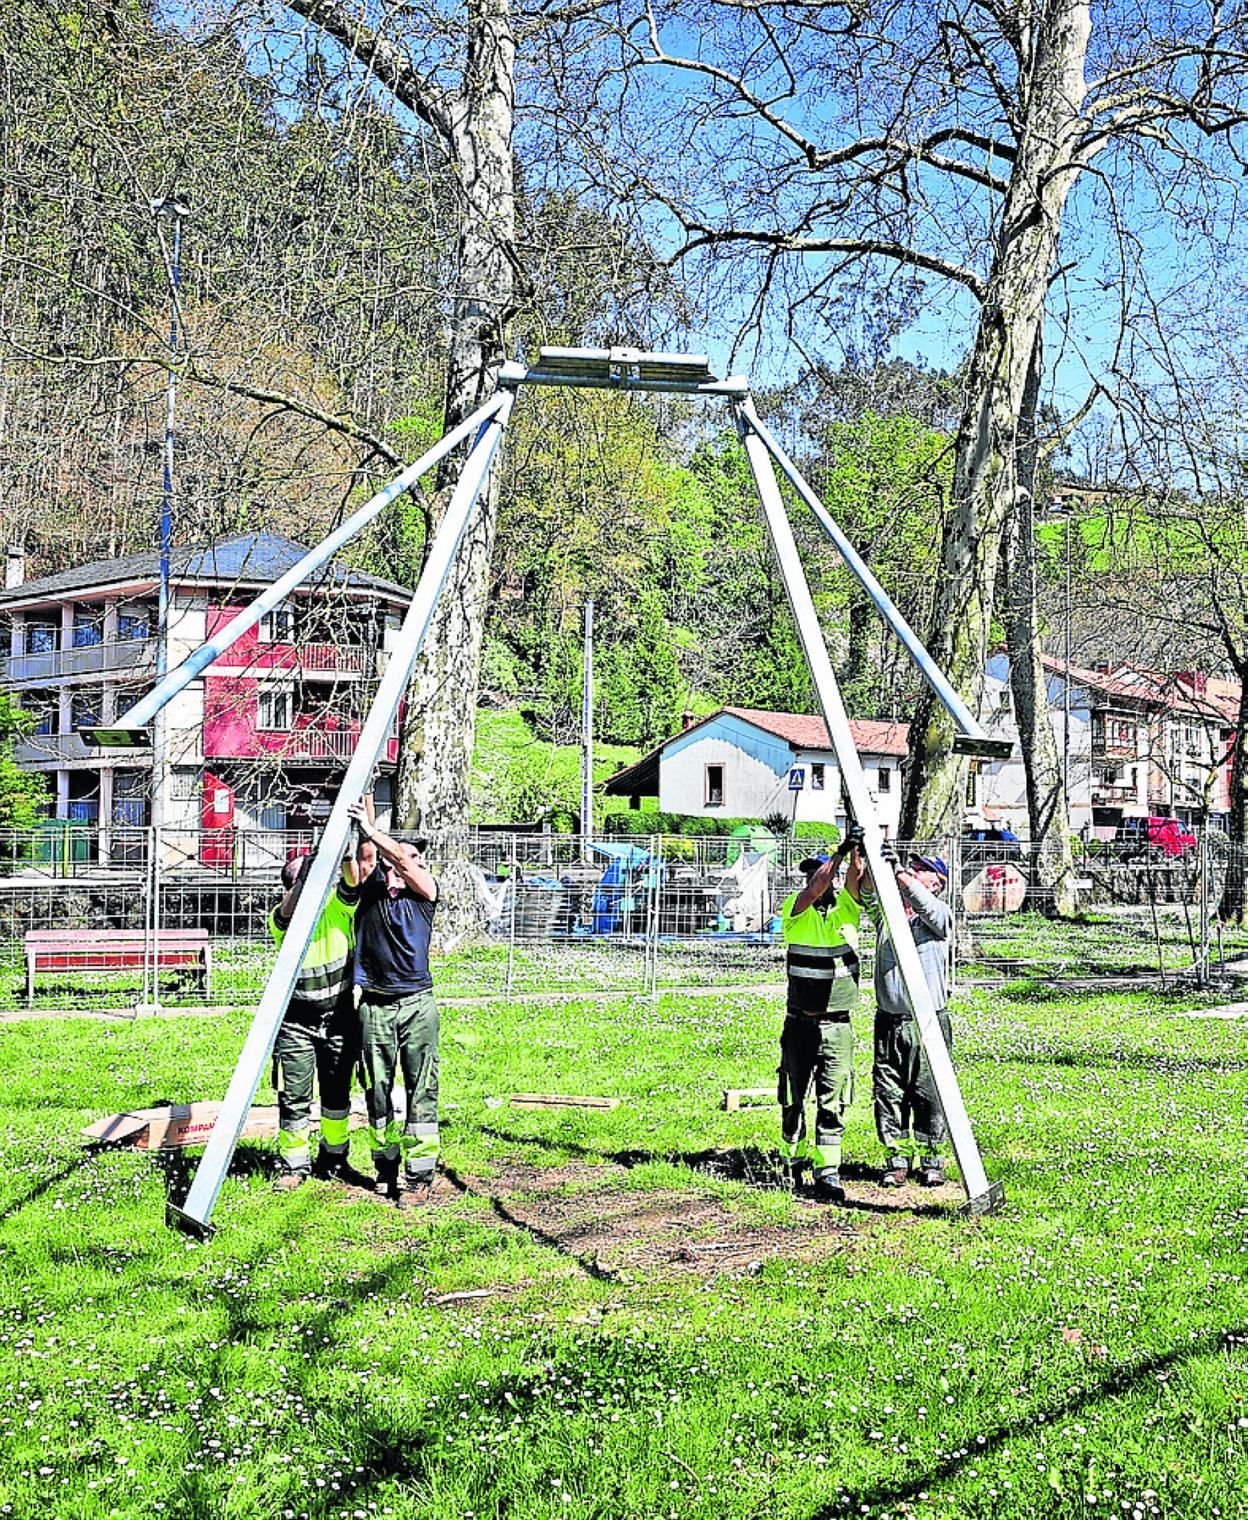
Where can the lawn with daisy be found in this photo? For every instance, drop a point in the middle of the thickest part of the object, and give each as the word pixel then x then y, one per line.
pixel 625 1313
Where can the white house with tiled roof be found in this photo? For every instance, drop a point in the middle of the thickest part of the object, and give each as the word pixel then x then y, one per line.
pixel 745 762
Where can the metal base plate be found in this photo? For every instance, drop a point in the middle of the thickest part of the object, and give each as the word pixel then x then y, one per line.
pixel 177 1219
pixel 985 748
pixel 116 738
pixel 984 1203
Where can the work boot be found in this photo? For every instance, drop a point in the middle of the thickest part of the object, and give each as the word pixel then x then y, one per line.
pixel 287 1182
pixel 335 1166
pixel 895 1172
pixel 826 1188
pixel 387 1185
pixel 932 1172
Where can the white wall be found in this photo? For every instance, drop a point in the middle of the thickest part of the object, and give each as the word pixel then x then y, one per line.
pixel 756 777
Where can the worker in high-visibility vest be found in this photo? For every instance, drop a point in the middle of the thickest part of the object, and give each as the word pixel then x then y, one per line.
pixel 820 926
pixel 909 1118
pixel 319 1038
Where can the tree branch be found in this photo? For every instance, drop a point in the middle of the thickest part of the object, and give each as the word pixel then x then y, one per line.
pixel 423 97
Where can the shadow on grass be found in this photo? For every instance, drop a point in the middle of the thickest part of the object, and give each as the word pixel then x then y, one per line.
pixel 1120 1381
pixel 590 1267
pixel 746 1164
pixel 38 1189
pixel 177 1168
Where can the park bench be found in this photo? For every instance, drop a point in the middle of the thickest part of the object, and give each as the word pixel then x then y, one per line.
pixel 115 950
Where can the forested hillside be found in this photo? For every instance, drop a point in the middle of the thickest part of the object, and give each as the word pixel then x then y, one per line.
pixel 313 306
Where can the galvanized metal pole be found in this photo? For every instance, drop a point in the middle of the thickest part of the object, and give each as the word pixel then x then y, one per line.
pixel 196 1212
pixel 981 1195
pixel 928 668
pixel 145 710
pixel 514 884
pixel 1202 973
pixel 587 735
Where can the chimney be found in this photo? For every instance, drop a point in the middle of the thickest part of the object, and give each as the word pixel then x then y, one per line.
pixel 687 720
pixel 14 566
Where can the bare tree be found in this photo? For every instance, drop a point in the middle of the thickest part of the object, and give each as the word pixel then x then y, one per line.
pixel 810 148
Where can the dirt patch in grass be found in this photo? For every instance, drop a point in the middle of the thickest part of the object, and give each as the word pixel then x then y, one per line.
pixel 598 1216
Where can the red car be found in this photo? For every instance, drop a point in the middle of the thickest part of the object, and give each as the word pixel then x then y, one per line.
pixel 1161 836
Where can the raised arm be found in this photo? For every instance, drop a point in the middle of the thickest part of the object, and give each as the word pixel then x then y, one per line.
pixel 819 881
pixel 405 858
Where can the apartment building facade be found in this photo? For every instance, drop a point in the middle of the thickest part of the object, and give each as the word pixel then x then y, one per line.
pixel 1140 744
pixel 259 740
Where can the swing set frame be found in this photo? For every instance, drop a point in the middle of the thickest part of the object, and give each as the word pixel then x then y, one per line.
pixel 618 369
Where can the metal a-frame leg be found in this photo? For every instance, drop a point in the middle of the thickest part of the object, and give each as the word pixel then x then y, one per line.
pixel 982 1196
pixel 195 1213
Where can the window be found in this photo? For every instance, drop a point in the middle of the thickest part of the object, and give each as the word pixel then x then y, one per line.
pixel 275 707
pixel 44 707
pixel 186 783
pixel 886 778
pixel 134 625
pixel 278 626
pixel 40 638
pixel 86 709
pixel 88 628
pixel 816 776
pixel 714 786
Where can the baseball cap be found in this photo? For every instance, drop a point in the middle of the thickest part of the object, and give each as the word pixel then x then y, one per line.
pixel 931 863
pixel 813 862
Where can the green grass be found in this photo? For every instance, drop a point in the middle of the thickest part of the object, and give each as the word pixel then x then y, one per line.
pixel 516 778
pixel 1104 942
pixel 1083 1352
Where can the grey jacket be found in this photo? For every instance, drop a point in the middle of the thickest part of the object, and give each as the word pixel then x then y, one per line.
pixel 933 927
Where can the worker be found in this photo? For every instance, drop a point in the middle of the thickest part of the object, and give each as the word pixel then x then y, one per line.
pixel 398 1014
pixel 820 927
pixel 909 1119
pixel 319 1034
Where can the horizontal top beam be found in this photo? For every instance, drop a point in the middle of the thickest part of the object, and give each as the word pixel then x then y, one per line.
pixel 623 369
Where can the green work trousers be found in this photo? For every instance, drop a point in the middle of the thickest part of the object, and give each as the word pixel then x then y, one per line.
pixel 822 1048
pixel 314 1048
pixel 908 1115
pixel 401 1032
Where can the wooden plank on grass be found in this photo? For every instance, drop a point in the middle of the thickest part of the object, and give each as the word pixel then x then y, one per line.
pixel 736 1097
pixel 560 1100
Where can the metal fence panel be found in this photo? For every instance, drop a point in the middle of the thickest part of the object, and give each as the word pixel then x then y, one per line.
pixel 558 914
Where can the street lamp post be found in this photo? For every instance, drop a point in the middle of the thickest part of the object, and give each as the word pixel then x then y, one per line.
pixel 172 208
pixel 1064 507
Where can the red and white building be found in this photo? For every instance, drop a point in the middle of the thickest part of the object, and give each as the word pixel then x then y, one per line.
pixel 260 740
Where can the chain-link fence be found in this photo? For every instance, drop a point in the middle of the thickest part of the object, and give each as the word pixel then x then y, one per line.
pixel 114 918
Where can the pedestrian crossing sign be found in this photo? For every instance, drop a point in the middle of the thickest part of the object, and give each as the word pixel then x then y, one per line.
pixel 797 778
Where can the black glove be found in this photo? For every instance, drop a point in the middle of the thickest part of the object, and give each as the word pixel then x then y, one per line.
pixel 855 834
pixel 890 857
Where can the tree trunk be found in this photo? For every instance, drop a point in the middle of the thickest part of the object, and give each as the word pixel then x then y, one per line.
pixel 1052 864
pixel 1233 908
pixel 985 469
pixel 436 752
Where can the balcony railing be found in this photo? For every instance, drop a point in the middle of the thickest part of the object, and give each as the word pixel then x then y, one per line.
pixel 1113 796
pixel 128 656
pixel 332 659
pixel 298 745
pixel 49 749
